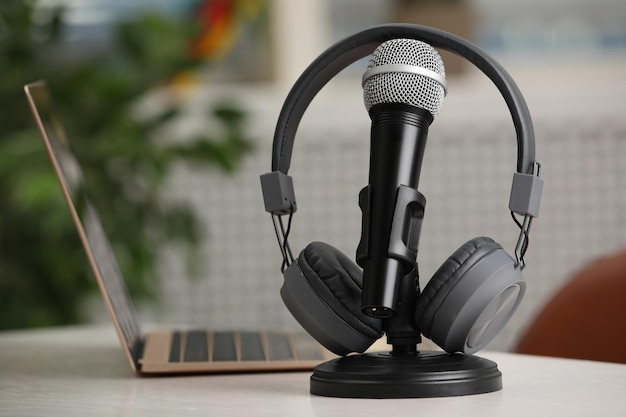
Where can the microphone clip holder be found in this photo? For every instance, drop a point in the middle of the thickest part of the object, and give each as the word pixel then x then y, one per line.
pixel 405 227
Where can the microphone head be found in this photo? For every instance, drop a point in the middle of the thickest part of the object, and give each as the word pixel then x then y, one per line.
pixel 405 71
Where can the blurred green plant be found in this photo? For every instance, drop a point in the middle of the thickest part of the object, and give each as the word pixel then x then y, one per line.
pixel 44 275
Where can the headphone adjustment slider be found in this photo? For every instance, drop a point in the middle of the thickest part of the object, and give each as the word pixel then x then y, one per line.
pixel 278 193
pixel 525 199
pixel 526 193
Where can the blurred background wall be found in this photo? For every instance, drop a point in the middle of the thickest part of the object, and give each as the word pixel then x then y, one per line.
pixel 569 59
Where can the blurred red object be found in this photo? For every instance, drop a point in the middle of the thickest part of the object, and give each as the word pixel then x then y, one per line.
pixel 217 19
pixel 586 319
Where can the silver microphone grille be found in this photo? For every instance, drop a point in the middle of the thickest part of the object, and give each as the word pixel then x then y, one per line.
pixel 405 71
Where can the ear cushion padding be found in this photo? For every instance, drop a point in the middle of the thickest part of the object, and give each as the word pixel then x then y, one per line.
pixel 471 297
pixel 447 277
pixel 338 281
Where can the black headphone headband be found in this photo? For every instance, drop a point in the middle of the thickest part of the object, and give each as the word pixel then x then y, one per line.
pixel 357 46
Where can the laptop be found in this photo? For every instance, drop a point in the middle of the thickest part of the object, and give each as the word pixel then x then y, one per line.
pixel 163 351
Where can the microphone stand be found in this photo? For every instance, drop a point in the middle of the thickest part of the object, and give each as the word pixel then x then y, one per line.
pixel 404 371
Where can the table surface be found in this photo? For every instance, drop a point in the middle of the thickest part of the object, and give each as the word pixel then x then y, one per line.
pixel 83 371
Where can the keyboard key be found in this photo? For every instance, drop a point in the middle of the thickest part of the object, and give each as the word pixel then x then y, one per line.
pixel 306 347
pixel 175 348
pixel 251 347
pixel 224 347
pixel 279 347
pixel 196 348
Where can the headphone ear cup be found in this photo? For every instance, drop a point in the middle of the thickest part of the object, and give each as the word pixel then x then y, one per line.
pixel 471 297
pixel 322 290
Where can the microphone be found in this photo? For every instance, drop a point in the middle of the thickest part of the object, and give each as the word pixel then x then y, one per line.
pixel 403 90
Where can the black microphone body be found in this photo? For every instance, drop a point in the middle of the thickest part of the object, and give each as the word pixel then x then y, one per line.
pixel 398 139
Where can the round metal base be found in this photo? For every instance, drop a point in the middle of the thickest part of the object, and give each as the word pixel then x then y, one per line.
pixel 424 374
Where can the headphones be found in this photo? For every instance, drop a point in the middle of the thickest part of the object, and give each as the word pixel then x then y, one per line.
pixel 476 290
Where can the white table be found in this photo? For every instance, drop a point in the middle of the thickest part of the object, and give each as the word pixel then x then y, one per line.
pixel 82 371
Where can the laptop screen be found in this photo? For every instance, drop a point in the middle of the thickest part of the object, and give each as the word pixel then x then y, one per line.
pixel 85 216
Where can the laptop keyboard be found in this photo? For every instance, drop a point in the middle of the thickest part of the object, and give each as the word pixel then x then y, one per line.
pixel 205 346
